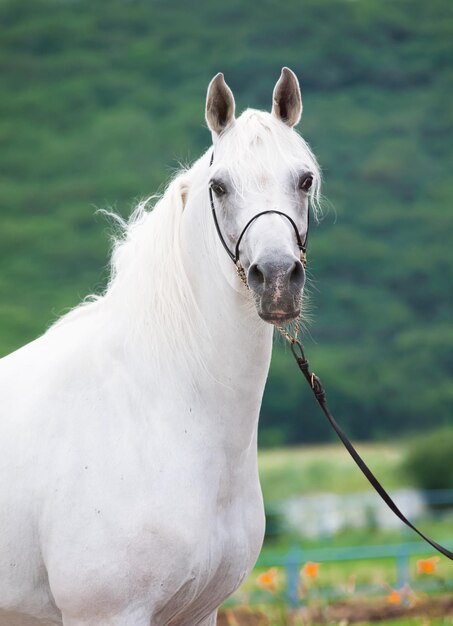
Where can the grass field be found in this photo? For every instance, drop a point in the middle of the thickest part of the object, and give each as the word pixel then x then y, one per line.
pixel 286 472
pixel 416 621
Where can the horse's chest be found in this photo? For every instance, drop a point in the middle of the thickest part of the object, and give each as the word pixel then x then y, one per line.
pixel 181 540
pixel 215 540
pixel 217 557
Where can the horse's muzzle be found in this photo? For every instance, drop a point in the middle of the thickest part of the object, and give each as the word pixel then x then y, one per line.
pixel 277 286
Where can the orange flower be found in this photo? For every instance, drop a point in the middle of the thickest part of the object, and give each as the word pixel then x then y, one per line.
pixel 427 566
pixel 394 597
pixel 268 580
pixel 310 569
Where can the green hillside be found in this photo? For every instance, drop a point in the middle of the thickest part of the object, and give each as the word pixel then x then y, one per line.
pixel 99 102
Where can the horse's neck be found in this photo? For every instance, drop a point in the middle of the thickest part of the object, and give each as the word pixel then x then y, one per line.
pixel 236 357
pixel 236 343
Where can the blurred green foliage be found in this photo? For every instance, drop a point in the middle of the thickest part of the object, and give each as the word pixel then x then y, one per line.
pixel 428 461
pixel 100 101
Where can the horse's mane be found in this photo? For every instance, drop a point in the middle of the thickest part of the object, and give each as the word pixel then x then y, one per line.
pixel 149 289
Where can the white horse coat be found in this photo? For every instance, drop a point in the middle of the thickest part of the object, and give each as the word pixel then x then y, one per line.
pixel 129 490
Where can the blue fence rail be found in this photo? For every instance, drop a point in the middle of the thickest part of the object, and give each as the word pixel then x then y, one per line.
pixel 296 557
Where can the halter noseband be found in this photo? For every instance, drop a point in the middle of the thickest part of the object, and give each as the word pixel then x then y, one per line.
pixel 234 256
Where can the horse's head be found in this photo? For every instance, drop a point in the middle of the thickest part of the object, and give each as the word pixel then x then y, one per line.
pixel 262 165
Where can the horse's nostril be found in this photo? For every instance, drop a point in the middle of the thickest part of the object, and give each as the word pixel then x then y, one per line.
pixel 297 275
pixel 255 277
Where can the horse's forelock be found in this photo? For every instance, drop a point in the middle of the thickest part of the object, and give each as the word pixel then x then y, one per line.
pixel 256 147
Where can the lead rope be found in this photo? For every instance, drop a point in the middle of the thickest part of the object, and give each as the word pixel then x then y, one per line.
pixel 317 388
pixel 320 395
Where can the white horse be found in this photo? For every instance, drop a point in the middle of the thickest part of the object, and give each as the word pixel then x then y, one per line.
pixel 129 490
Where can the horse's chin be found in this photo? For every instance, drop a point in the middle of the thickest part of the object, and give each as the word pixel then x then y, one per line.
pixel 279 317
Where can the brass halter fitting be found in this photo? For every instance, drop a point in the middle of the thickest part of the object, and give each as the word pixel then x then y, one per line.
pixel 303 258
pixel 241 273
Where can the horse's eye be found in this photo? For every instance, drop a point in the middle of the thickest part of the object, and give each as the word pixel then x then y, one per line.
pixel 305 182
pixel 218 189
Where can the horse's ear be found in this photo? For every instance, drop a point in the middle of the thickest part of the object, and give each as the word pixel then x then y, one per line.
pixel 286 99
pixel 219 105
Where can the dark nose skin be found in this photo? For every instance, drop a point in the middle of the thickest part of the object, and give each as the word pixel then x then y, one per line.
pixel 277 282
pixel 285 275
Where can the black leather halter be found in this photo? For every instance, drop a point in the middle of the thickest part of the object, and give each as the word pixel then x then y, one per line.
pixel 234 256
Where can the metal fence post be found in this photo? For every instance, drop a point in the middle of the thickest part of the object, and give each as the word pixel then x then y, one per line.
pixel 402 567
pixel 292 576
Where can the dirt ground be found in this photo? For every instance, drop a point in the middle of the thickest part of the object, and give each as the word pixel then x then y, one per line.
pixel 8 619
pixel 346 613
pixel 339 612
